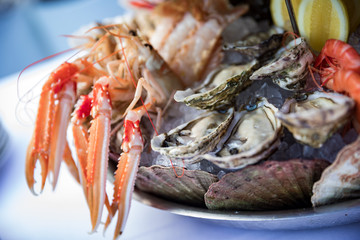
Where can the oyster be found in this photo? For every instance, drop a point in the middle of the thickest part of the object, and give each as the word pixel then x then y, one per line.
pixel 195 137
pixel 289 67
pixel 341 180
pixel 254 136
pixel 219 89
pixel 266 186
pixel 314 117
pixel 259 44
pixel 162 181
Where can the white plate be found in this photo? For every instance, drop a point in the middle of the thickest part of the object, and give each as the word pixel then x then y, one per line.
pixel 305 218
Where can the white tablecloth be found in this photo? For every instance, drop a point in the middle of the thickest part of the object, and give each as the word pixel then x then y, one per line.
pixel 63 213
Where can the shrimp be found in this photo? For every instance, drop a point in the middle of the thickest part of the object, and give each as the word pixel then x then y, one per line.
pixel 339 68
pixel 347 81
pixel 338 54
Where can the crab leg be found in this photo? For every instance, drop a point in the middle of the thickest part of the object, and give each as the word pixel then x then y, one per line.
pixel 52 110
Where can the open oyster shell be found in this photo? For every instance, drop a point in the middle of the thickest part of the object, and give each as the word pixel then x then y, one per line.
pixel 314 117
pixel 163 182
pixel 341 180
pixel 254 136
pixel 193 138
pixel 219 89
pixel 259 44
pixel 266 186
pixel 289 67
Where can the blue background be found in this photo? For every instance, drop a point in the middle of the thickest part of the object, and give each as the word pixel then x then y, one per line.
pixel 31 30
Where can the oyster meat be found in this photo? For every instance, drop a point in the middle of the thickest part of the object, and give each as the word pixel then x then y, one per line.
pixel 341 180
pixel 193 138
pixel 219 89
pixel 313 117
pixel 288 69
pixel 162 181
pixel 254 136
pixel 266 186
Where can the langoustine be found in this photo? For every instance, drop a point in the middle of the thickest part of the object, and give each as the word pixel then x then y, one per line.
pixel 120 77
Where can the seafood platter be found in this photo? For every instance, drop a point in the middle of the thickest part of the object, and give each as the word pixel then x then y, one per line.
pixel 205 105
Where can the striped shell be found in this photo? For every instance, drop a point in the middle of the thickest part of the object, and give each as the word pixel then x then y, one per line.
pixel 163 182
pixel 267 186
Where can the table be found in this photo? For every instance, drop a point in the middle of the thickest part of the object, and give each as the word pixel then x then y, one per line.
pixel 63 214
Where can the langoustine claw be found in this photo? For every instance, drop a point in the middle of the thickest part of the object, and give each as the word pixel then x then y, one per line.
pixel 98 150
pixel 48 141
pixel 127 167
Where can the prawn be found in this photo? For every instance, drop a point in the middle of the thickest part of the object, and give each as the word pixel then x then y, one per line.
pixel 339 66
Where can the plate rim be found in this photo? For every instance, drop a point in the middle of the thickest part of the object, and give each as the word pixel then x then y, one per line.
pixel 340 213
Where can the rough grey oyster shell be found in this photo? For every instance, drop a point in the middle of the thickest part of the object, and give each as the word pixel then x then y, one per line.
pixel 314 117
pixel 259 44
pixel 219 89
pixel 289 67
pixel 341 180
pixel 162 181
pixel 254 137
pixel 267 186
pixel 193 138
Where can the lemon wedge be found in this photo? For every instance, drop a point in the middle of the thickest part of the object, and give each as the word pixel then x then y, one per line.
pixel 280 15
pixel 320 20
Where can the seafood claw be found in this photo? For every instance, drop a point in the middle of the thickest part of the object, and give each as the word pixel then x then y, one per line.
pixel 127 168
pixel 98 150
pixel 49 141
pixel 92 148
